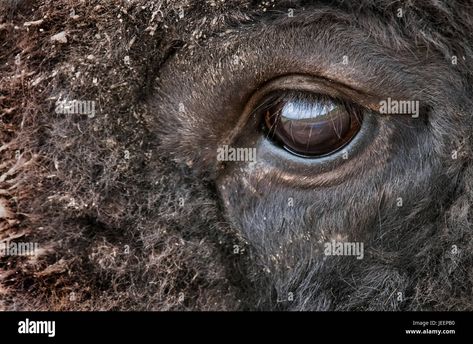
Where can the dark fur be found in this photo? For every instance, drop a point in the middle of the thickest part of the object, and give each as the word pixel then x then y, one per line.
pixel 73 191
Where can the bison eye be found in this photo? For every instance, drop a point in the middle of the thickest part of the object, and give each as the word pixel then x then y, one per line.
pixel 308 124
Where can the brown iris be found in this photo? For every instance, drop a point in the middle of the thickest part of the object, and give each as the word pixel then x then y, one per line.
pixel 311 125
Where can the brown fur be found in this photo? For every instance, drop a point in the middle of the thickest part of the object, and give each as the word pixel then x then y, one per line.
pixel 111 228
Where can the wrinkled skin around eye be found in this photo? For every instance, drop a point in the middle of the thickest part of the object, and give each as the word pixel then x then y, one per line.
pixel 312 126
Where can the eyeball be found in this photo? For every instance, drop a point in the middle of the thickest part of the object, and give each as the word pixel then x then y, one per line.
pixel 310 125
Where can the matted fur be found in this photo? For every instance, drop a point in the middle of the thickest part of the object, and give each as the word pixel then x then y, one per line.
pixel 124 220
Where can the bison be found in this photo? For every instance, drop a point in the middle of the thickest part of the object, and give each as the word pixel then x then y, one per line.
pixel 351 190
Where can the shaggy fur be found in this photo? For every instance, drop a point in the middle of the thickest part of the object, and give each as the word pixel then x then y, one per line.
pixel 131 210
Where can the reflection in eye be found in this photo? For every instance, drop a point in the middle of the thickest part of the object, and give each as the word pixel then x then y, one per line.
pixel 310 125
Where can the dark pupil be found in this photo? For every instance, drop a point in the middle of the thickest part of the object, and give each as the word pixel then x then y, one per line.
pixel 312 125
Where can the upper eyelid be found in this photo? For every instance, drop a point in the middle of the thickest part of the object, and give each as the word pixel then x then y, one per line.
pixel 322 86
pixel 343 92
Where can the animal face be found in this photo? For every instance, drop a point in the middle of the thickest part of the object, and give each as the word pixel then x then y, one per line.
pixel 299 155
pixel 385 187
